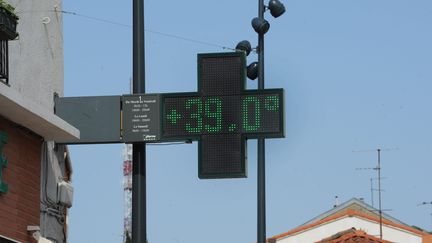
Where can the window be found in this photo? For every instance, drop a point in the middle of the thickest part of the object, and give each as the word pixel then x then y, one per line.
pixel 4 62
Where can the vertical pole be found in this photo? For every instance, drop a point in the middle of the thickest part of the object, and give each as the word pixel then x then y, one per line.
pixel 431 212
pixel 372 199
pixel 139 210
pixel 261 142
pixel 379 192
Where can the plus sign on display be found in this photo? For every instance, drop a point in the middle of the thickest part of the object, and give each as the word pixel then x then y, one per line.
pixel 222 115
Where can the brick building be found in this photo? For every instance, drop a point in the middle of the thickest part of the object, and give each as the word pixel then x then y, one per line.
pixel 35 173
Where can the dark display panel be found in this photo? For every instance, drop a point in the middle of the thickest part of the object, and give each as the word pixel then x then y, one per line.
pixel 221 74
pixel 222 156
pixel 222 114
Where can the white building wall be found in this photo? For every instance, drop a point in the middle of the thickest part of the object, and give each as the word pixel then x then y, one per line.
pixel 36 57
pixel 35 74
pixel 370 227
pixel 36 70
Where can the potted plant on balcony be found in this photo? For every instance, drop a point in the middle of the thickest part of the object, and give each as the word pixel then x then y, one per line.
pixel 8 21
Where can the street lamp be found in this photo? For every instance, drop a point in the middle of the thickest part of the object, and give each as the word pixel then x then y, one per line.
pixel 244 46
pixel 261 26
pixel 276 8
pixel 252 71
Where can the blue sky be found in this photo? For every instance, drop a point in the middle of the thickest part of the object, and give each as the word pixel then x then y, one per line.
pixel 356 76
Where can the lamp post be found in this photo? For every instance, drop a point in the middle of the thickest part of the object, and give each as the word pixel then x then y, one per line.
pixel 261 195
pixel 256 70
pixel 261 26
pixel 139 210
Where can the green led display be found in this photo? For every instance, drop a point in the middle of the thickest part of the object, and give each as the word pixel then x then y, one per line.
pixel 213 109
pixel 251 125
pixel 257 114
pixel 272 103
pixel 221 115
pixel 196 106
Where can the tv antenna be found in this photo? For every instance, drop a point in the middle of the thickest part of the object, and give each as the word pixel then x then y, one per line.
pixel 427 203
pixel 378 169
pixel 372 187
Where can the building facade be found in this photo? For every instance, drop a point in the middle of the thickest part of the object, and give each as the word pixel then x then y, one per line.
pixel 35 172
pixel 363 222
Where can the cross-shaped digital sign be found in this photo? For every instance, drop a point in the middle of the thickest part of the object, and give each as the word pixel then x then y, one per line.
pixel 3 162
pixel 222 115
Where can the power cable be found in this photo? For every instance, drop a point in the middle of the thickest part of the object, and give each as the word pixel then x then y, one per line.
pixel 92 18
pixel 146 30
